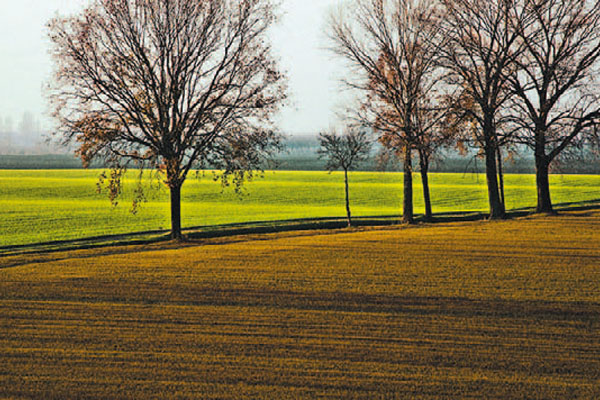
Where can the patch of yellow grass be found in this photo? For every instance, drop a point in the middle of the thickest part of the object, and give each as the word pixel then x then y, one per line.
pixel 505 309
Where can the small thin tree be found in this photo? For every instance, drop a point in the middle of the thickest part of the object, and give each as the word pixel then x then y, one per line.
pixel 346 152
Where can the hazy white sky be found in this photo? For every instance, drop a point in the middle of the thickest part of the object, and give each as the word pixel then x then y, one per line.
pixel 299 40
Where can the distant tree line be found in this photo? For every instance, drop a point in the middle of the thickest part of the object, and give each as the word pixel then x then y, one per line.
pixel 306 158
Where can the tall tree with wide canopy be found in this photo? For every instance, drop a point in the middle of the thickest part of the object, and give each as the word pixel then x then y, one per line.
pixel 168 83
pixel 558 96
pixel 481 52
pixel 392 46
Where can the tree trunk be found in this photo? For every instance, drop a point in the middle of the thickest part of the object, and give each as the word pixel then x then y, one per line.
pixel 176 212
pixel 347 198
pixel 424 161
pixel 501 177
pixel 408 214
pixel 542 167
pixel 491 173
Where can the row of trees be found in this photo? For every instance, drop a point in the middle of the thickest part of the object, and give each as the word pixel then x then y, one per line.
pixel 486 74
pixel 179 84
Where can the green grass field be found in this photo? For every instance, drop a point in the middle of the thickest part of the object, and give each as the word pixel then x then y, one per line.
pixel 41 206
pixel 480 310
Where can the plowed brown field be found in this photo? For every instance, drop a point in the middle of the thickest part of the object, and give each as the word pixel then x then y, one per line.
pixel 502 310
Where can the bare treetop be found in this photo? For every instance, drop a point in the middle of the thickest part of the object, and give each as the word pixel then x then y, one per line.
pixel 482 49
pixel 557 80
pixel 393 45
pixel 345 151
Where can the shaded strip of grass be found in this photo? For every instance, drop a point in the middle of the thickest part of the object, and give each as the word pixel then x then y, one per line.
pixel 262 227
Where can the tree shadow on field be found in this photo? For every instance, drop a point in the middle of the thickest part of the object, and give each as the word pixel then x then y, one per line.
pixel 12 256
pixel 589 206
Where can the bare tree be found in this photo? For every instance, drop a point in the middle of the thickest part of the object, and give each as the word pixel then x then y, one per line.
pixel 558 97
pixel 345 152
pixel 168 83
pixel 481 53
pixel 393 46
